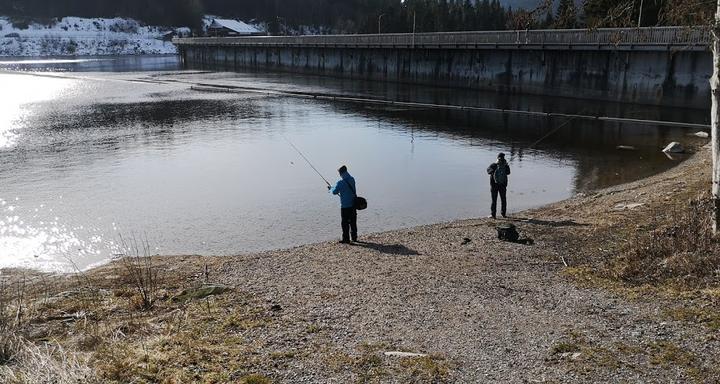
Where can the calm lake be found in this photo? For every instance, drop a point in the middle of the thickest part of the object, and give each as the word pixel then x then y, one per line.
pixel 95 149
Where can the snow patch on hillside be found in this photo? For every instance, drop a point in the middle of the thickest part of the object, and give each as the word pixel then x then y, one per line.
pixel 86 37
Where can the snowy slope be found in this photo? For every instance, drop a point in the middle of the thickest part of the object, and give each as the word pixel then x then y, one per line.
pixel 82 37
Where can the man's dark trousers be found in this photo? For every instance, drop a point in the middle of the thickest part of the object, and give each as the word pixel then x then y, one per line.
pixel 349 223
pixel 496 188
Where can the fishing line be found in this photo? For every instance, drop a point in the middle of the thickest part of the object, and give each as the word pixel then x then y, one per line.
pixel 306 160
pixel 555 130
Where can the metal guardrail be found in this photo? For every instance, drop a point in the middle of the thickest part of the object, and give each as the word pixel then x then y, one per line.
pixel 654 38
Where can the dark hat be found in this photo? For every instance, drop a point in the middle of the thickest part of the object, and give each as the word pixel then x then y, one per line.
pixel 501 155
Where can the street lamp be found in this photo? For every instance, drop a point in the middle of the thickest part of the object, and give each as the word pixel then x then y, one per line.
pixel 414 24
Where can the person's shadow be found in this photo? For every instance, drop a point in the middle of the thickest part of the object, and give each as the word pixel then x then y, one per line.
pixel 394 249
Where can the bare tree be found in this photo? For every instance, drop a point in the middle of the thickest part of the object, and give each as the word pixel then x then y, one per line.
pixel 715 120
pixel 529 19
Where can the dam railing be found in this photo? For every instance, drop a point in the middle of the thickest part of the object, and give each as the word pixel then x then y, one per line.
pixel 649 38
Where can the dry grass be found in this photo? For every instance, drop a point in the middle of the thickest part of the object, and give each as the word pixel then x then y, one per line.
pixel 369 365
pixel 139 272
pixel 680 251
pixel 122 323
pixel 589 358
pixel 707 315
pixel 21 360
pixel 44 363
pixel 5 324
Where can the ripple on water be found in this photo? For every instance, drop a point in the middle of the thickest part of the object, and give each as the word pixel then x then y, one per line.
pixel 47 245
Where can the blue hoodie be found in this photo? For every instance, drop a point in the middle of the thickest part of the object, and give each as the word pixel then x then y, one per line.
pixel 347 196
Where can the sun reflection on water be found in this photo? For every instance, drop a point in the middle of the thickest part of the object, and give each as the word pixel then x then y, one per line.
pixel 18 91
pixel 48 244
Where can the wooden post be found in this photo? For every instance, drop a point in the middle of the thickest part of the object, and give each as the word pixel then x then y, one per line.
pixel 715 121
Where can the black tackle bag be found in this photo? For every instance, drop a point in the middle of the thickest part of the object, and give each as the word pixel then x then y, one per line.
pixel 508 232
pixel 359 203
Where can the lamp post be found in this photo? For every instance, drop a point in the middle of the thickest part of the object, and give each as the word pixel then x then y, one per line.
pixel 414 24
pixel 640 13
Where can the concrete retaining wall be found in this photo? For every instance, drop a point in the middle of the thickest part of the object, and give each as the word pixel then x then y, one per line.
pixel 668 78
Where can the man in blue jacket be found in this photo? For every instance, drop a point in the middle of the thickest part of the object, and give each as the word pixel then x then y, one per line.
pixel 345 187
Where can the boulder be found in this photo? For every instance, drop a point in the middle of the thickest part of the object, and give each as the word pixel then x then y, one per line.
pixel 674 147
pixel 201 292
pixel 625 147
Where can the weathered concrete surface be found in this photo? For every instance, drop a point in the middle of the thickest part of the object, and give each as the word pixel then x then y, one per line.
pixel 670 78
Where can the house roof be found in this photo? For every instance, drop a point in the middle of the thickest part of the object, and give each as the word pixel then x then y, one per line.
pixel 234 25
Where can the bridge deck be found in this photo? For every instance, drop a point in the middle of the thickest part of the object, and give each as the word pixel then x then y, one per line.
pixel 653 39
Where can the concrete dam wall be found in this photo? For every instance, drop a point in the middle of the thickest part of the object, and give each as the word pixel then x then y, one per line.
pixel 670 73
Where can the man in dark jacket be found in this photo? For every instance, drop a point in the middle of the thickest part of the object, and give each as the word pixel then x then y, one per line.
pixel 499 172
pixel 345 187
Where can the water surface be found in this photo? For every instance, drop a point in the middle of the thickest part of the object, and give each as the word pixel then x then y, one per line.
pixel 88 156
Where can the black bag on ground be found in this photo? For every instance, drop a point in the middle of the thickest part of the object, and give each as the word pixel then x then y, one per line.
pixel 359 203
pixel 508 232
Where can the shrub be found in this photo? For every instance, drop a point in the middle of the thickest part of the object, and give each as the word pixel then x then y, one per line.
pixel 140 272
pixel 684 252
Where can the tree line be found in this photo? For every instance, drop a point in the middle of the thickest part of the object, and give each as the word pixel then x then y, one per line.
pixel 348 16
pixel 371 16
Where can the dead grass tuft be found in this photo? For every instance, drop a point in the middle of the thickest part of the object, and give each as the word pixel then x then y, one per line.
pixel 668 355
pixel 45 363
pixel 369 365
pixel 426 369
pixel 139 273
pixel 255 379
pixel 708 316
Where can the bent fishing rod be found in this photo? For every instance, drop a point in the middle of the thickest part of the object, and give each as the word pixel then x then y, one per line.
pixel 307 161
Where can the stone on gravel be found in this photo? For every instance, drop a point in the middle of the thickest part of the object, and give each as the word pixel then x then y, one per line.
pixel 201 292
pixel 674 147
pixel 404 354
pixel 630 206
pixel 701 134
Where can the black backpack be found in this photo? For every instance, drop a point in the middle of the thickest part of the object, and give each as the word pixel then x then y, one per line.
pixel 508 232
pixel 359 203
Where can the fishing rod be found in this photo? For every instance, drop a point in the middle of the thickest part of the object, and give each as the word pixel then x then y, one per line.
pixel 555 130
pixel 307 161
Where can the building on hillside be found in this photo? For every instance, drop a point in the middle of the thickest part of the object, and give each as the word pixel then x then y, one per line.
pixel 179 32
pixel 227 28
